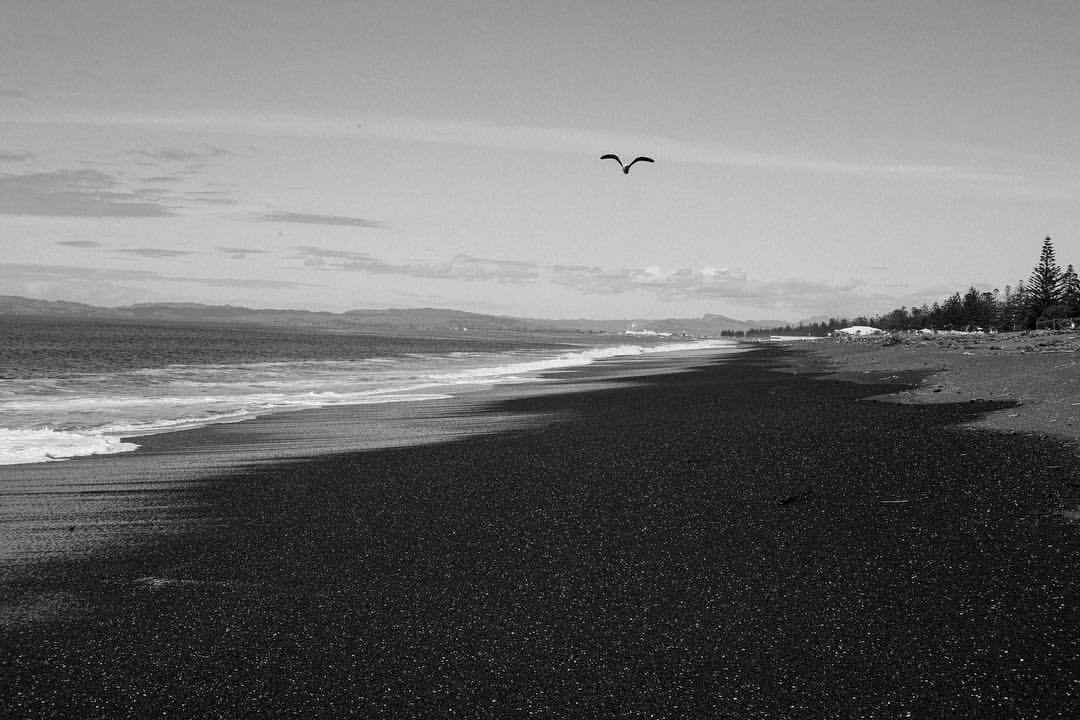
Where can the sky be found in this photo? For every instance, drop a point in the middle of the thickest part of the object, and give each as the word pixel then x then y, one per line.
pixel 813 158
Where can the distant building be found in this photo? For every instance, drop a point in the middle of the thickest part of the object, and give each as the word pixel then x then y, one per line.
pixel 650 333
pixel 858 331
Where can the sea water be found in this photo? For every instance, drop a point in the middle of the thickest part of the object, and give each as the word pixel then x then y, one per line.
pixel 71 388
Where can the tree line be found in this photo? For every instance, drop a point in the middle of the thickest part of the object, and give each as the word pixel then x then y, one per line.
pixel 1050 294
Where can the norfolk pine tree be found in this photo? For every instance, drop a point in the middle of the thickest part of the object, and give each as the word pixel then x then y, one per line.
pixel 1070 291
pixel 1044 289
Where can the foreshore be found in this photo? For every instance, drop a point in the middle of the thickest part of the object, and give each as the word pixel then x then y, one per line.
pixel 753 538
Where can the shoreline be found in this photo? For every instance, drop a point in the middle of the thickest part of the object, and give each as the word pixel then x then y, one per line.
pixel 733 540
pixel 90 492
pixel 86 415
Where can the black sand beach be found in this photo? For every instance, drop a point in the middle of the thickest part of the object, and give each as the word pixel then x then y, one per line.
pixel 728 542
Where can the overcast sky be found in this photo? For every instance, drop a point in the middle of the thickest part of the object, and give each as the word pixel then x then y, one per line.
pixel 812 158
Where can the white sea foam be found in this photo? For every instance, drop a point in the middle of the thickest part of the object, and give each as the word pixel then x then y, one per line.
pixel 47 419
pixel 47 445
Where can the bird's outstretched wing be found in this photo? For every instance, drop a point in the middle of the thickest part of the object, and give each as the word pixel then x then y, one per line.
pixel 610 156
pixel 640 158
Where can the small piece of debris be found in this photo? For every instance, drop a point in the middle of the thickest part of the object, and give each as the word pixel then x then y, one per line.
pixel 797 496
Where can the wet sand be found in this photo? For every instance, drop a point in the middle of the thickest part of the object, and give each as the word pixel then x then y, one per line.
pixel 736 541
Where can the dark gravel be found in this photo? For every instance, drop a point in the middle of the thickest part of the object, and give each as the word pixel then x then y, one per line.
pixel 727 543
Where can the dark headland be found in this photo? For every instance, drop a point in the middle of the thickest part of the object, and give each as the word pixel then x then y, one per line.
pixel 731 542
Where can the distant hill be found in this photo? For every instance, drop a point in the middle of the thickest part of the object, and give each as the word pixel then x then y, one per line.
pixel 355 320
pixel 399 319
pixel 14 305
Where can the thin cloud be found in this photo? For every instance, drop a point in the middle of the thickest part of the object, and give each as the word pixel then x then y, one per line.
pixel 575 141
pixel 675 285
pixel 315 219
pixel 154 252
pixel 244 283
pixel 28 275
pixel 184 155
pixel 79 243
pixel 683 282
pixel 6 156
pixel 210 197
pixel 74 193
pixel 317 255
pixel 580 141
pixel 468 267
pixel 459 267
pixel 33 273
pixel 238 253
pixel 706 284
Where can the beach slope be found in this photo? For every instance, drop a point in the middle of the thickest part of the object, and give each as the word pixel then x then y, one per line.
pixel 735 541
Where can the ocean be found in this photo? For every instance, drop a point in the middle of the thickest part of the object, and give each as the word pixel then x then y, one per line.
pixel 71 388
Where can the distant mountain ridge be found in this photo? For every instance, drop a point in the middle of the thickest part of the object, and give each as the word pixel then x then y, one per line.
pixel 401 319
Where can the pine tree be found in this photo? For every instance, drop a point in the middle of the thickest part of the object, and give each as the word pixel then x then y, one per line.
pixel 1070 291
pixel 1016 303
pixel 1044 285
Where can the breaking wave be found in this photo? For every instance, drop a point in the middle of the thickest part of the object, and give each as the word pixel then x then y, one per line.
pixel 50 419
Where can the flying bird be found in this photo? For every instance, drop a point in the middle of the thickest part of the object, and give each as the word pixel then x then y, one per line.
pixel 626 168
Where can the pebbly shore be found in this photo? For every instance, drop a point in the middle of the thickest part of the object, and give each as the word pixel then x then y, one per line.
pixel 740 541
pixel 1038 371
